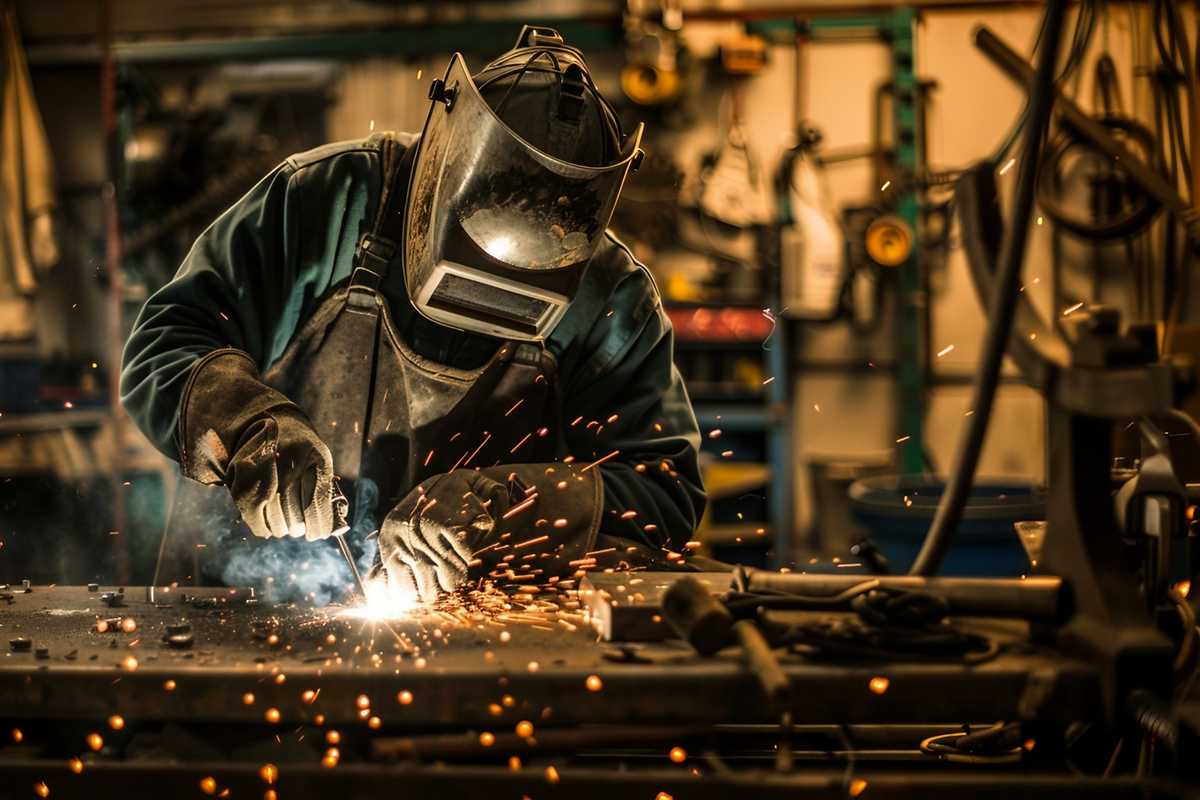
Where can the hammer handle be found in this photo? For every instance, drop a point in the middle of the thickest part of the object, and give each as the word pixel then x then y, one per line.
pixel 761 661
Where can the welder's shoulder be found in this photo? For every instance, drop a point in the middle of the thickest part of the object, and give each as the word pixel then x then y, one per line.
pixel 624 282
pixel 616 302
pixel 368 148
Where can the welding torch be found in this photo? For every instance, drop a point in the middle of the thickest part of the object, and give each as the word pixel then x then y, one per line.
pixel 341 526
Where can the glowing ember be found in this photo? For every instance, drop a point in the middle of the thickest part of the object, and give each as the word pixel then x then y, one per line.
pixel 17 735
pixel 594 684
pixel 404 698
pixel 308 696
pixel 487 739
pixel 374 722
pixel 879 684
pixel 169 685
pixel 362 701
pixel 333 737
pixel 508 701
pixel 41 789
pixel 494 709
pixel 94 741
pixel 857 787
pixel 129 664
pixel 116 722
pixel 272 715
pixel 331 757
pixel 524 729
pixel 269 773
pixel 129 625
pixel 208 785
pixel 248 698
pixel 75 765
pixel 514 763
pixel 663 796
pixel 678 755
pixel 552 774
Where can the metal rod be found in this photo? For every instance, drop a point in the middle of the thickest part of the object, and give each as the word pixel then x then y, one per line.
pixel 1034 598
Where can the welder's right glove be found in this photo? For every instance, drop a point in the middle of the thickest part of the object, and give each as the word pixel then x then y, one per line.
pixel 237 431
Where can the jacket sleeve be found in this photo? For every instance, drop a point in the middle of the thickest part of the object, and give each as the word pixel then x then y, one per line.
pixel 245 284
pixel 627 402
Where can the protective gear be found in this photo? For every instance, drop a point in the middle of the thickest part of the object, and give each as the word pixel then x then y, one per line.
pixel 499 232
pixel 236 430
pixel 272 277
pixel 468 519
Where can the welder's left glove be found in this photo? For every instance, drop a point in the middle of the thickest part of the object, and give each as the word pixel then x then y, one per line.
pixel 464 523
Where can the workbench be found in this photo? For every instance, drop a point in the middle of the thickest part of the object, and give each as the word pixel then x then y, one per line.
pixel 267 682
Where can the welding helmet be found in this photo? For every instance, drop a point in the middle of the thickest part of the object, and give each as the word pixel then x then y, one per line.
pixel 516 174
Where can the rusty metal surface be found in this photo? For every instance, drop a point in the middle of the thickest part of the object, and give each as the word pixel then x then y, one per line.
pixel 462 673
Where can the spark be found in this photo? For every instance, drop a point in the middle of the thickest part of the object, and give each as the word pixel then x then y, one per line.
pixel 817 407
pixel 1072 309
pixel 518 444
pixel 768 380
pixel 945 350
pixel 715 433
pixel 885 186
pixel 1007 166
pixel 903 439
pixel 521 506
pixel 600 461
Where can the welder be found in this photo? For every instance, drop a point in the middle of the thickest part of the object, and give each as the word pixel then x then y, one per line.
pixel 442 324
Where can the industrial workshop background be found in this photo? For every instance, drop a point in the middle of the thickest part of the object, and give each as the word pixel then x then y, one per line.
pixel 793 207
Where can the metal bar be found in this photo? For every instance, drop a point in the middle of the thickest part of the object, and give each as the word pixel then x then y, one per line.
pixel 405 41
pixel 1034 598
pixel 911 355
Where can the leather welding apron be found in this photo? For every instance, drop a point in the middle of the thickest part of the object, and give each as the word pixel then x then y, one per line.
pixel 390 417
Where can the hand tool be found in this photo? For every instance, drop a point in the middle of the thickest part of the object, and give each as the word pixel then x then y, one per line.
pixel 341 526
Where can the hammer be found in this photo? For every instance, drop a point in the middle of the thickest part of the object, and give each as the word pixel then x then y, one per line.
pixel 708 626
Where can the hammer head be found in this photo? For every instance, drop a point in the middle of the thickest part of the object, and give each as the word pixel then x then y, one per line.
pixel 697 616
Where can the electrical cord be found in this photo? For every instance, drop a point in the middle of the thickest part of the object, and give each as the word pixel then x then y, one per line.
pixel 1141 209
pixel 1002 306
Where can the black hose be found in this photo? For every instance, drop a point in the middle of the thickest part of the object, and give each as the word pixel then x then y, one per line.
pixel 1002 306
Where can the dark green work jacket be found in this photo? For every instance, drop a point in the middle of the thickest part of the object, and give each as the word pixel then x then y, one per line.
pixel 262 268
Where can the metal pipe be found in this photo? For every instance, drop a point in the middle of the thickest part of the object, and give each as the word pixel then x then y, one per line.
pixel 1037 598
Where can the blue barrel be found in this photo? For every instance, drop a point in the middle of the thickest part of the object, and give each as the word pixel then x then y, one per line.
pixel 896 512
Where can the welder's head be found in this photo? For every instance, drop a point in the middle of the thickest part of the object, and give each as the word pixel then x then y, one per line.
pixel 517 171
pixel 543 92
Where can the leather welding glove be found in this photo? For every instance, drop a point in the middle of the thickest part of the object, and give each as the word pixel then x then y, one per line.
pixel 469 521
pixel 237 431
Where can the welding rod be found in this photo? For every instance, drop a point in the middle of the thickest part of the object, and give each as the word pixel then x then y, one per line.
pixel 341 526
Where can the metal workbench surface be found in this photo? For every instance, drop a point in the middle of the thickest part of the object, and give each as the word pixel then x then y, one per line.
pixel 250 660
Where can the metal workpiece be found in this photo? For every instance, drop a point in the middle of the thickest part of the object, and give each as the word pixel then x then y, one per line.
pixel 443 671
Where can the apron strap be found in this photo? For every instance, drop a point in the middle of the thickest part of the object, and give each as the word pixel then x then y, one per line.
pixel 379 247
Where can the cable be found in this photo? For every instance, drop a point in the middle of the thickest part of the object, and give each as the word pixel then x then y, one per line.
pixel 1002 307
